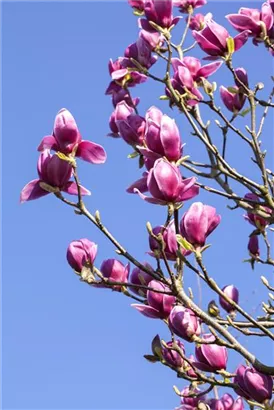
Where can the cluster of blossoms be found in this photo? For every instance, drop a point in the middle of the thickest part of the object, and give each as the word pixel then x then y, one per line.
pixel 56 170
pixel 156 139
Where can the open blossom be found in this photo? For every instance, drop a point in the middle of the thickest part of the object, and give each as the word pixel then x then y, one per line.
pixel 198 223
pixel 159 304
pixel 253 384
pixel 231 292
pixel 141 52
pixel 139 277
pixel 170 242
pixel 183 82
pixel 53 172
pixel 67 139
pixel 195 67
pixel 162 137
pixel 188 5
pixel 213 39
pixel 184 323
pixel 132 129
pixel 115 271
pixel 81 253
pixel 226 402
pixel 198 21
pixel 210 357
pixel 254 219
pixel 253 20
pixel 188 74
pixel 166 185
pixel 234 101
pixel 123 72
pixel 172 357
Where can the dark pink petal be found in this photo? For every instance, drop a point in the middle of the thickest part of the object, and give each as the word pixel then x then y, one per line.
pixel 185 77
pixel 267 16
pixel 242 22
pixel 71 188
pixel 32 191
pixel 149 199
pixel 91 152
pixel 209 69
pixel 206 45
pixel 189 194
pixel 140 184
pixel 147 311
pixel 241 39
pixel 48 142
pixel 219 32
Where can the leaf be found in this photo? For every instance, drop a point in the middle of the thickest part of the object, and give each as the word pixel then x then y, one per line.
pixel 244 112
pixel 184 243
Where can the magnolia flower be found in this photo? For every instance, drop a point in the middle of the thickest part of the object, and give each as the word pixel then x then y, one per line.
pixel 54 176
pixel 67 139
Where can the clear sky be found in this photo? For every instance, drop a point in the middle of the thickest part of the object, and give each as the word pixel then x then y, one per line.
pixel 65 345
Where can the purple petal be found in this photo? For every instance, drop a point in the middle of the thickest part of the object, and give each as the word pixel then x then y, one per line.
pixel 241 39
pixel 147 311
pixel 48 142
pixel 140 185
pixel 91 152
pixel 149 199
pixel 32 191
pixel 209 69
pixel 206 45
pixel 71 188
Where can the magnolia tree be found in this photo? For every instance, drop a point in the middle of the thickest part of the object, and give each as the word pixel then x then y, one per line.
pixel 171 178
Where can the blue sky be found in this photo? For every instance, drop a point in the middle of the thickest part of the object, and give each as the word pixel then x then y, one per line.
pixel 66 345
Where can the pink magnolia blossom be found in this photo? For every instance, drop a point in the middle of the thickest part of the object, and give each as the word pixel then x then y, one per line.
pixel 162 137
pixel 184 323
pixel 159 304
pixel 170 241
pixel 137 4
pixel 55 173
pixel 123 72
pixel 198 223
pixel 232 292
pixel 67 139
pixel 172 357
pixel 115 271
pixel 213 39
pixel 253 246
pixel 139 277
pixel 81 253
pixel 160 13
pixel 198 21
pixel 166 185
pixel 254 219
pixel 226 402
pixel 141 52
pixel 253 20
pixel 252 384
pixel 210 357
pixel 191 403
